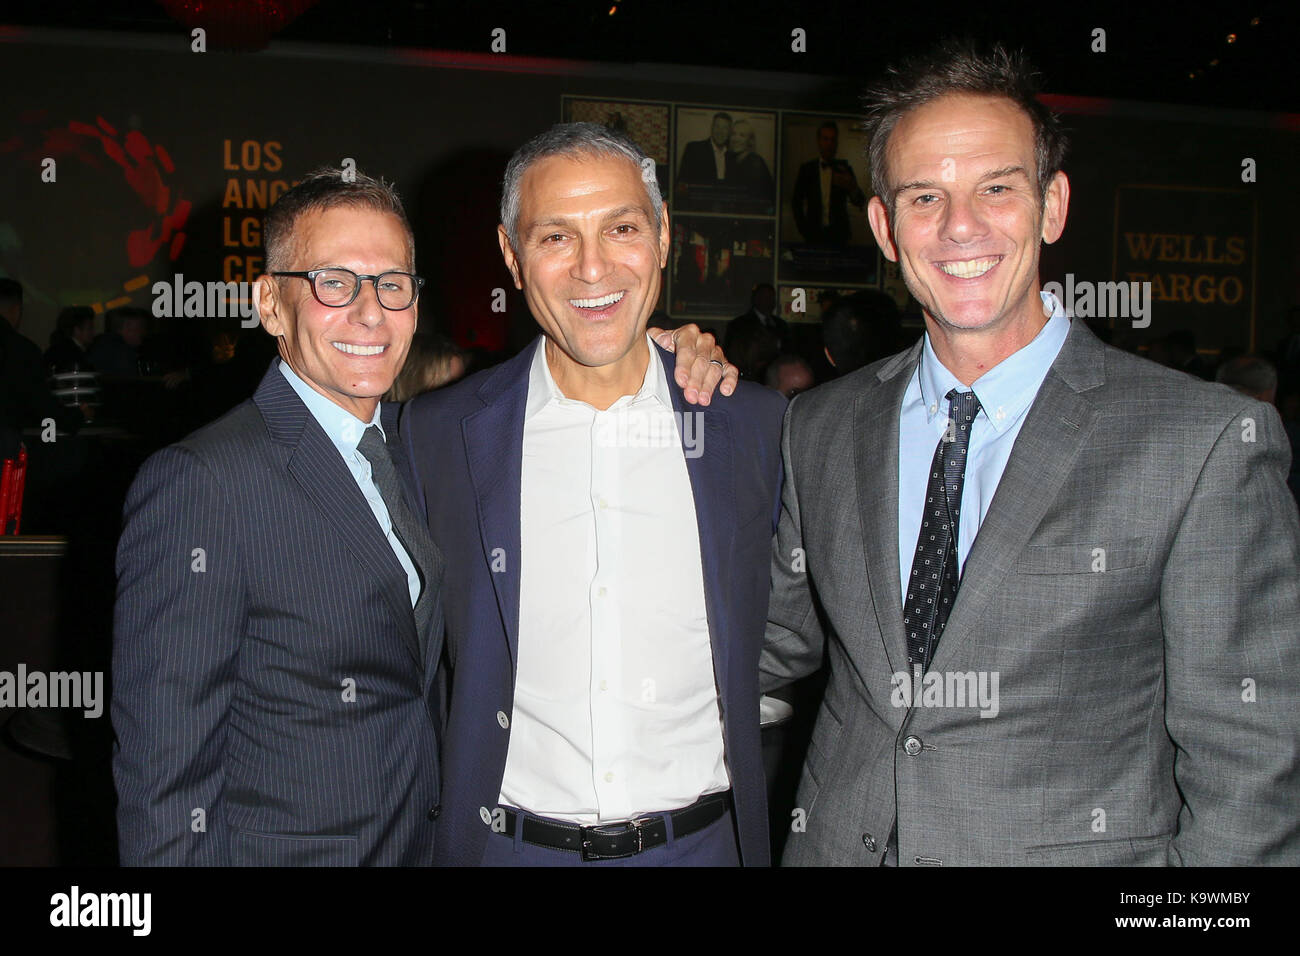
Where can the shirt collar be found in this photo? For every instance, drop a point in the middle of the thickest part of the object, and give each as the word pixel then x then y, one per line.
pixel 542 390
pixel 343 428
pixel 1005 391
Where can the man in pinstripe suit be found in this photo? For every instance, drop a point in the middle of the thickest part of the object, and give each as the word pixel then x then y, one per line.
pixel 278 624
pixel 279 620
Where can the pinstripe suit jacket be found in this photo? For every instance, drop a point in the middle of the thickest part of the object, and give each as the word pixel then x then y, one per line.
pixel 270 699
pixel 1133 585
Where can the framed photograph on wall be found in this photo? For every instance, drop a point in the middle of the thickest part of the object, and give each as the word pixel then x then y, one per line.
pixel 825 185
pixel 724 161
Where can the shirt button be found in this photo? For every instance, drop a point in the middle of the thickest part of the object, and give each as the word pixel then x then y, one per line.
pixel 502 719
pixel 869 842
pixel 604 685
pixel 485 815
pixel 435 812
pixel 609 778
pixel 601 592
pixel 912 746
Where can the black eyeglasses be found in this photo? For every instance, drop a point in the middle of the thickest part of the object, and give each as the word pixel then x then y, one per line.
pixel 337 288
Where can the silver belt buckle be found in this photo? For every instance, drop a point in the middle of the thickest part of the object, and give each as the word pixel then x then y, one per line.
pixel 614 829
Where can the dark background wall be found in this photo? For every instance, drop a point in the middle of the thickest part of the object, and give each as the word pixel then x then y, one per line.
pixel 443 124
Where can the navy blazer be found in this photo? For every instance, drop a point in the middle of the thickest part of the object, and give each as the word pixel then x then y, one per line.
pixel 271 702
pixel 465 446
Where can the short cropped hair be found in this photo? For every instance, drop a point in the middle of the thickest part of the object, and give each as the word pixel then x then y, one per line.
pixel 322 189
pixel 960 67
pixel 574 140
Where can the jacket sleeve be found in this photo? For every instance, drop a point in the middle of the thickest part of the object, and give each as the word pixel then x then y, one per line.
pixel 794 641
pixel 180 617
pixel 1230 603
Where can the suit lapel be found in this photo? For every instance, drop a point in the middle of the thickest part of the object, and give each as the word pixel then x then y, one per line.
pixel 316 466
pixel 1056 428
pixel 711 471
pixel 875 419
pixel 494 448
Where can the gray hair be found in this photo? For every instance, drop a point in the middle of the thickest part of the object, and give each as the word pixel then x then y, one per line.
pixel 574 139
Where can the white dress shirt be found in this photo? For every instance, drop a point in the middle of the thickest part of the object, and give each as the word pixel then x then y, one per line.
pixel 616 708
pixel 345 430
pixel 719 159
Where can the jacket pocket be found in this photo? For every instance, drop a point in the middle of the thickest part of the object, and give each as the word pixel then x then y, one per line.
pixel 1089 558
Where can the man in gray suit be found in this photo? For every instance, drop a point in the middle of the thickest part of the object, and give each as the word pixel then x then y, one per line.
pixel 1056 583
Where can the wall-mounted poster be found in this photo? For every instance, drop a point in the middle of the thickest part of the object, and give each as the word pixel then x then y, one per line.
pixel 716 262
pixel 646 123
pixel 825 184
pixel 725 161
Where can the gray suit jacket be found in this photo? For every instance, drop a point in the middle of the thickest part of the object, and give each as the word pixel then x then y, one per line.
pixel 1148 710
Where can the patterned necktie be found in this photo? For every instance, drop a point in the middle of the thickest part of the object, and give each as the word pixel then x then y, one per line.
pixel 932 588
pixel 413 536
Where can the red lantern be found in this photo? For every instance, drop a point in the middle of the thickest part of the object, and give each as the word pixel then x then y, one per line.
pixel 237 24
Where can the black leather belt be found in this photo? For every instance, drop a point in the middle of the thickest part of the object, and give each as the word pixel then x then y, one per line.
pixel 613 841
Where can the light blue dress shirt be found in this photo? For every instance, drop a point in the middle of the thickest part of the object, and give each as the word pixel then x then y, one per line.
pixel 1005 393
pixel 345 430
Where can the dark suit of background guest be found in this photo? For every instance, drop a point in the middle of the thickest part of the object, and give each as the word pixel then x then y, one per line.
pixel 465 445
pixel 699 164
pixel 806 200
pixel 281 688
pixel 25 396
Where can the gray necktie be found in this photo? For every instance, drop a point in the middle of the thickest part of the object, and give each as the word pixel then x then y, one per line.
pixel 413 535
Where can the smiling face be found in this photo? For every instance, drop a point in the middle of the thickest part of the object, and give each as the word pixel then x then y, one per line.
pixel 352 354
pixel 742 138
pixel 967 218
pixel 589 262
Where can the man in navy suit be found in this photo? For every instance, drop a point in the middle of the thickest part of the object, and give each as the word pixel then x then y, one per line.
pixel 605 616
